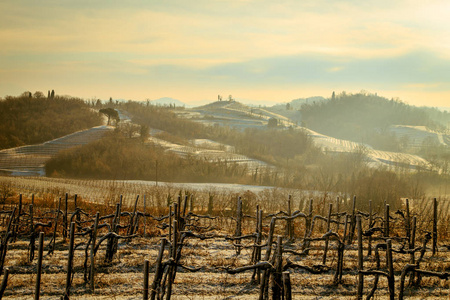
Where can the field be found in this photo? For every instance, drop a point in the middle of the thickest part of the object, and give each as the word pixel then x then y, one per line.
pixel 217 236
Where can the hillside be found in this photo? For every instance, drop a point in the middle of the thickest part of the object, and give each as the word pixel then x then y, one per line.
pixel 368 118
pixel 30 120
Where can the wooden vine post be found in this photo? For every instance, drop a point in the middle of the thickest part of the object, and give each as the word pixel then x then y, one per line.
pixel 290 223
pixel 172 267
pixel 360 259
pixel 338 215
pixel 37 289
pixel 65 225
pixel 435 216
pixel 287 286
pixel 238 232
pixel 145 217
pixel 4 282
pixel 92 255
pixel 352 222
pixel 308 223
pixel 369 240
pixel 159 269
pixel 408 223
pixel 386 220
pixel 325 249
pixel 145 287
pixel 412 259
pixel 70 261
pixel 264 286
pixel 53 241
pixel 390 267
pixel 277 281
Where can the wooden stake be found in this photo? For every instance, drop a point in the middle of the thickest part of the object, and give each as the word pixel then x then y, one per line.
pixel 263 291
pixel 308 224
pixel 70 261
pixel 390 266
pixel 238 232
pixel 65 217
pixel 145 217
pixel 277 283
pixel 369 243
pixel 158 270
pixel 146 268
pixel 287 286
pixel 412 259
pixel 338 211
pixel 4 282
pixel 352 222
pixel 360 258
pixel 435 204
pixel 37 289
pixel 94 238
pixel 325 249
pixel 386 220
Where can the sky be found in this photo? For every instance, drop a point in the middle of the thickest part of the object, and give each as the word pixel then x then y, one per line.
pixel 258 51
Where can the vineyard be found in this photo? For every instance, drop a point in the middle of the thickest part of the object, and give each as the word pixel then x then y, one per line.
pixel 188 246
pixel 31 159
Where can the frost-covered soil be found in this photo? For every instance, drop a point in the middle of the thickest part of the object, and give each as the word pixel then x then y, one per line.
pixel 123 278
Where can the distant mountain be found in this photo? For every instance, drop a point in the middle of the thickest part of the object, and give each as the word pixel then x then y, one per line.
pixel 167 101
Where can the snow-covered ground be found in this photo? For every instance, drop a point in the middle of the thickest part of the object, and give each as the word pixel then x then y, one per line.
pixel 418 135
pixel 375 157
pixel 211 151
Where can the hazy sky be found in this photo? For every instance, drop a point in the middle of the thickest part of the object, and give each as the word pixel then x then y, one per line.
pixel 260 51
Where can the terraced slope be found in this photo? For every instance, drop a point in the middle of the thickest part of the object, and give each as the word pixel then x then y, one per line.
pixel 30 160
pixel 375 157
pixel 418 135
pixel 242 113
pixel 210 151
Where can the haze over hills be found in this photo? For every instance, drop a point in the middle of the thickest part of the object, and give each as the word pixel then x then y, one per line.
pixel 168 101
pixel 282 145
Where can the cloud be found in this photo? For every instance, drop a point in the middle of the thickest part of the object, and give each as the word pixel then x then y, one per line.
pixel 244 45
